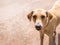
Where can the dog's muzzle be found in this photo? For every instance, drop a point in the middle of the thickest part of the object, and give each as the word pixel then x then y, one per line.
pixel 38 27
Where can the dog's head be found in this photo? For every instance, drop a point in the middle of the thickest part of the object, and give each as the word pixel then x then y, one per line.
pixel 40 18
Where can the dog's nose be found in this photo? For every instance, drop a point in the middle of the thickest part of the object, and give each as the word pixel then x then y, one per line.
pixel 38 27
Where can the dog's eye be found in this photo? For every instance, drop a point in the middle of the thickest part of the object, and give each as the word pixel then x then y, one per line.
pixel 34 17
pixel 42 17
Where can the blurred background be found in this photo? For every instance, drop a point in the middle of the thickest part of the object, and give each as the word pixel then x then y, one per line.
pixel 16 30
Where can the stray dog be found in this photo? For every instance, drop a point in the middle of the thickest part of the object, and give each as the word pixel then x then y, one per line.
pixel 46 22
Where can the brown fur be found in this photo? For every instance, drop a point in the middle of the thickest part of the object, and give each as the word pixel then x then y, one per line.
pixel 49 21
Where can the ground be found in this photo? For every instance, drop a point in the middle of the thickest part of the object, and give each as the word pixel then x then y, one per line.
pixel 15 28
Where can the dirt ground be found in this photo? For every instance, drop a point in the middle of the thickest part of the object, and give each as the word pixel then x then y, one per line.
pixel 15 29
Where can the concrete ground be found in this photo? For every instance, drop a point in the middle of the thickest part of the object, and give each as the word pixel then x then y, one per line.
pixel 15 29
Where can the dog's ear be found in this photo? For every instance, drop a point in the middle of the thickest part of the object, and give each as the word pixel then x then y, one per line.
pixel 49 15
pixel 29 16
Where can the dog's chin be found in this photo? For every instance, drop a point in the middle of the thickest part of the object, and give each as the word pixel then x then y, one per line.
pixel 38 29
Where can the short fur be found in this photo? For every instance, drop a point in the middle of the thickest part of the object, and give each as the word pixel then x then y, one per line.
pixel 49 20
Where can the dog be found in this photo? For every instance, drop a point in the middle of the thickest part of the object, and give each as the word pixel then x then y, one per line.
pixel 46 21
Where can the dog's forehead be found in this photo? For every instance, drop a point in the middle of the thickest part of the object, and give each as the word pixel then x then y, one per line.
pixel 39 12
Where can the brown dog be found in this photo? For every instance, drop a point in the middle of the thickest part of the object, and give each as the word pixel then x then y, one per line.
pixel 45 22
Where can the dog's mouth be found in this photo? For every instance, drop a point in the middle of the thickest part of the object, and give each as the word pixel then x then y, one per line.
pixel 38 28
